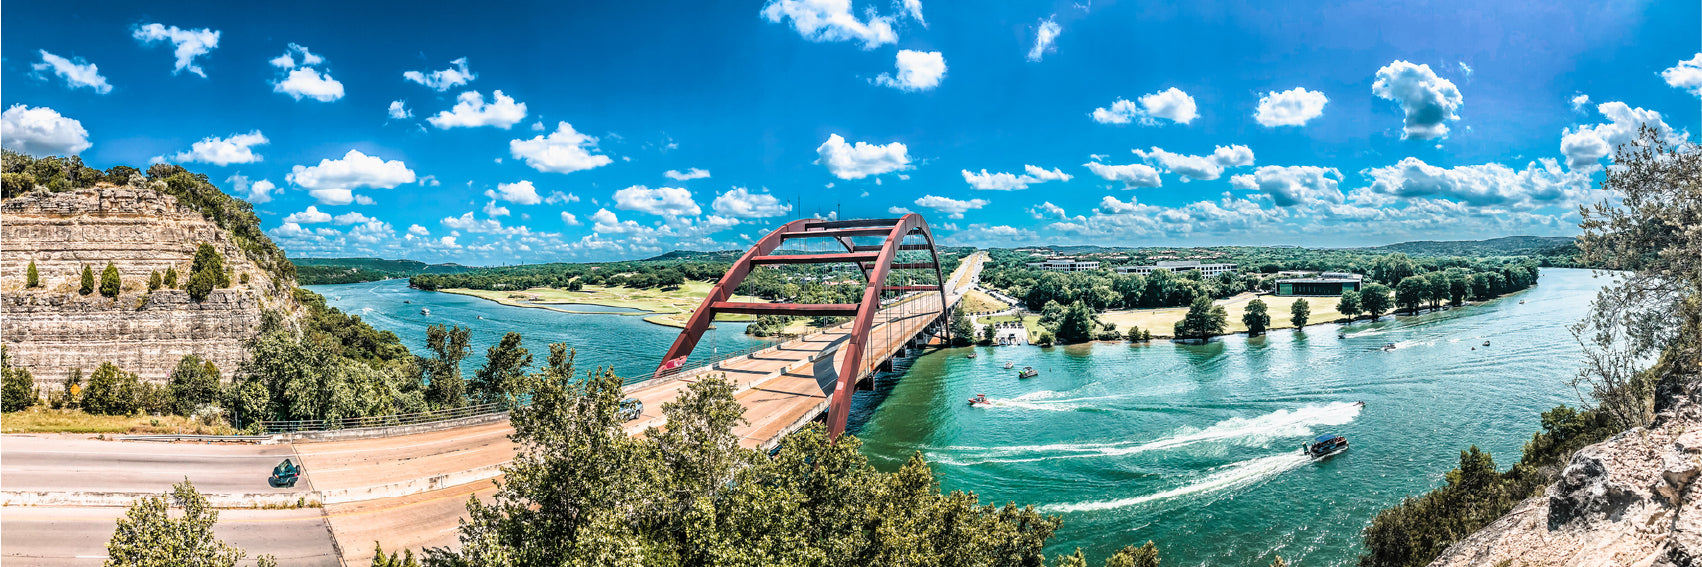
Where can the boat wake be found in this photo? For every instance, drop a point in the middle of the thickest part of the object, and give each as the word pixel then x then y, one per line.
pixel 1228 477
pixel 1252 431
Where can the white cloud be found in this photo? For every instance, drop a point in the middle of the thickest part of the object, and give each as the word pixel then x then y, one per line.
pixel 1293 107
pixel 1204 168
pixel 399 110
pixel 493 210
pixel 470 111
pixel 831 20
pixel 306 82
pixel 364 200
pixel 76 73
pixel 917 71
pixel 897 210
pixel 1540 183
pixel 239 148
pixel 351 217
pixel 1170 104
pixel 467 223
pixel 1132 175
pixel 1045 39
pixel 1587 145
pixel 1465 69
pixel 190 43
pixel 288 61
pixel 605 222
pixel 446 79
pixel 740 203
pixel 520 193
pixel 309 216
pixel 558 197
pixel 257 192
pixel 563 151
pixel 693 173
pixel 568 219
pixel 856 161
pixel 332 181
pixel 1009 182
pixel 1579 102
pixel 953 208
pixel 1293 185
pixel 662 201
pixel 430 181
pixel 1047 210
pixel 1685 75
pixel 1429 101
pixel 419 231
pixel 41 131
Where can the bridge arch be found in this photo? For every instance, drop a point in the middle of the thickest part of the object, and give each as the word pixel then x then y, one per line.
pixel 874 261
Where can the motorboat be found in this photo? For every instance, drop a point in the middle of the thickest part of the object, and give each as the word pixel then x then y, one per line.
pixel 425 311
pixel 1325 446
pixel 1521 302
pixel 1028 372
pixel 970 355
pixel 1009 366
pixel 980 401
pixel 1389 347
pixel 1485 343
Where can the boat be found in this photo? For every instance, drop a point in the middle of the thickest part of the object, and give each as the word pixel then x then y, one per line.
pixel 980 401
pixel 481 316
pixel 406 301
pixel 1028 372
pixel 1388 347
pixel 970 355
pixel 425 311
pixel 1521 302
pixel 1485 343
pixel 1009 366
pixel 1325 446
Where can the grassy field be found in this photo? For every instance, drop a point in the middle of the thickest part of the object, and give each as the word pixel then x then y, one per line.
pixel 1162 322
pixel 42 420
pixel 663 307
pixel 976 302
pixel 1031 323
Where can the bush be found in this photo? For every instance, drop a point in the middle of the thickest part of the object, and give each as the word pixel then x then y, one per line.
pixel 194 383
pixel 71 394
pixel 171 278
pixel 17 385
pixel 154 281
pixel 201 284
pixel 88 286
pixel 32 278
pixel 1111 335
pixel 1045 339
pixel 109 284
pixel 14 184
pixel 111 391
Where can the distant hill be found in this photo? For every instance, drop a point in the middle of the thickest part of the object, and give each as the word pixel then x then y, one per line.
pixel 695 256
pixel 316 271
pixel 1504 246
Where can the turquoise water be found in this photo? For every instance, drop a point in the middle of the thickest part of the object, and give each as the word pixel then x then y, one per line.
pixel 1196 447
pixel 626 342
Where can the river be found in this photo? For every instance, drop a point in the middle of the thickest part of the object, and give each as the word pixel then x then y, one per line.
pixel 1195 447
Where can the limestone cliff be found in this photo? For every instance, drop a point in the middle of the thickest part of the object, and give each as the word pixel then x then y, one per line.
pixel 1631 500
pixel 52 329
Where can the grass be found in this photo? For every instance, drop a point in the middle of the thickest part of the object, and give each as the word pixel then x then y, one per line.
pixel 1031 323
pixel 1162 322
pixel 977 302
pixel 670 307
pixel 43 420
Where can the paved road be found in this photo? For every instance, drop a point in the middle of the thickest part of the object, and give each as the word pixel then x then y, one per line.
pixel 48 536
pixel 58 463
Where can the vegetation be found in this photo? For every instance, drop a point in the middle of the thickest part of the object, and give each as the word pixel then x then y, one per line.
pixel 1075 325
pixel 154 281
pixel 962 331
pixel 17 386
pixel 503 377
pixel 194 384
pixel 1350 304
pixel 149 536
pixel 403 559
pixel 170 277
pixel 448 347
pixel 206 273
pixel 1299 310
pixel 1256 318
pixel 109 282
pixel 32 278
pixel 1374 300
pixel 88 283
pixel 1204 319
pixel 318 271
pixel 110 391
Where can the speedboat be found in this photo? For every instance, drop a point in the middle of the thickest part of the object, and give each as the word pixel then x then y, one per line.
pixel 1028 372
pixel 1009 366
pixel 1325 446
pixel 1485 343
pixel 425 311
pixel 970 355
pixel 1389 347
pixel 980 401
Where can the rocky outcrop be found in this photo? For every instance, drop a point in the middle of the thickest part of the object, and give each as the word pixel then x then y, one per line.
pixel 52 329
pixel 1631 500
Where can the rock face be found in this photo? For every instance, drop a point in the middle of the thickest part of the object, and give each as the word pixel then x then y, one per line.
pixel 52 329
pixel 1631 500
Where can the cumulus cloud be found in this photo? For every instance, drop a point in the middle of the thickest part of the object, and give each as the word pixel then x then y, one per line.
pixel 1170 104
pixel 1009 181
pixel 493 210
pixel 444 80
pixel 301 79
pixel 1429 101
pixel 1204 168
pixel 520 193
pixel 604 221
pixel 1585 146
pixel 352 217
pixel 1293 185
pixel 558 197
pixel 309 216
pixel 471 111
pixel 1540 183
pixel 1045 39
pixel 832 20
pixel 288 59
pixel 77 73
pixel 661 201
pixel 856 161
pixel 1579 102
pixel 257 192
pixel 741 203
pixel 239 148
pixel 399 110
pixel 568 219
pixel 1685 75
pixel 1132 175
pixel 563 151
pixel 332 181
pixel 189 43
pixel 41 131
pixel 693 173
pixel 1293 107
pixel 917 71
pixel 953 208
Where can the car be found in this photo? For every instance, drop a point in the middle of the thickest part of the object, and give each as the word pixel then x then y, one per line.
pixel 631 408
pixel 284 475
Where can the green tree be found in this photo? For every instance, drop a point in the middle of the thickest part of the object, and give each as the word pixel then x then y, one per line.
pixel 1374 300
pixel 503 376
pixel 14 184
pixel 17 385
pixel 445 388
pixel 1349 305
pixel 71 394
pixel 989 333
pixel 194 383
pixel 149 536
pixel 1045 339
pixel 1204 319
pixel 1410 292
pixel 111 391
pixel 154 281
pixel 32 278
pixel 1076 324
pixel 207 259
pixel 1301 311
pixel 1131 556
pixel 1256 318
pixel 109 284
pixel 962 331
pixel 88 286
pixel 1134 334
pixel 201 284
pixel 170 277
pixel 1436 288
pixel 404 558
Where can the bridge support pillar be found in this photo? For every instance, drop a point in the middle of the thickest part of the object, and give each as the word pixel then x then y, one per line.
pixel 866 384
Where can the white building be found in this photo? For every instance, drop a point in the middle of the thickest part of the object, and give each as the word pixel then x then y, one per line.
pixel 1065 265
pixel 1207 270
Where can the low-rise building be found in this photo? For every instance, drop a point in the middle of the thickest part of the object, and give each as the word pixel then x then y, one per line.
pixel 1325 284
pixel 1065 265
pixel 1207 270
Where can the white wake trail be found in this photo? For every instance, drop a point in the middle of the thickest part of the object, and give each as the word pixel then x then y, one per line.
pixel 1240 430
pixel 1228 477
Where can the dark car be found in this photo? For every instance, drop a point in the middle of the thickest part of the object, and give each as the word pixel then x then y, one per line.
pixel 631 408
pixel 284 475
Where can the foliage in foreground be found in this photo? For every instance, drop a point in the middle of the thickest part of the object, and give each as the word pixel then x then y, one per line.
pixel 583 492
pixel 148 535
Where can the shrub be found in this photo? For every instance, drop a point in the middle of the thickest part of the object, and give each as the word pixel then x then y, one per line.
pixel 17 385
pixel 1045 338
pixel 71 394
pixel 154 281
pixel 201 284
pixel 171 277
pixel 14 184
pixel 111 391
pixel 194 383
pixel 88 286
pixel 32 278
pixel 109 283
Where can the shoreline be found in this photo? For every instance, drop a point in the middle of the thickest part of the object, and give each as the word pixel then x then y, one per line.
pixel 652 316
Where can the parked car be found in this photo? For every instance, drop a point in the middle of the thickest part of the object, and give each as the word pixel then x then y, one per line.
pixel 631 408
pixel 284 475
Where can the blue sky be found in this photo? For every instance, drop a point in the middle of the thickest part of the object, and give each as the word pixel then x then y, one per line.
pixel 626 130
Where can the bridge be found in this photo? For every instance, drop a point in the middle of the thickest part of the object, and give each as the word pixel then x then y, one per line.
pixel 409 491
